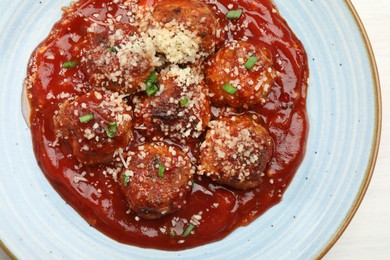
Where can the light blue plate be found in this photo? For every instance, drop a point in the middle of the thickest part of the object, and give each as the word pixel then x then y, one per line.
pixel 344 114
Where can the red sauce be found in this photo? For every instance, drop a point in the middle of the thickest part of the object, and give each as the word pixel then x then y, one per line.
pixel 105 209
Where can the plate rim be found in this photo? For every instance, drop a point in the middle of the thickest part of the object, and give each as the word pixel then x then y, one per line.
pixel 6 250
pixel 374 150
pixel 376 137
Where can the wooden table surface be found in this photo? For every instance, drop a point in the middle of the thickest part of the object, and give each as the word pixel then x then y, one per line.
pixel 368 235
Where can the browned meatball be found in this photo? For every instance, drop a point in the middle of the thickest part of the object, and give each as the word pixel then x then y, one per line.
pixel 231 83
pixel 95 125
pixel 157 180
pixel 236 152
pixel 121 61
pixel 186 30
pixel 180 110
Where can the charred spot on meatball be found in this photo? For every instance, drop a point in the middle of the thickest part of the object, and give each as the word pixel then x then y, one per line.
pixel 95 125
pixel 240 74
pixel 185 30
pixel 236 151
pixel 157 180
pixel 179 111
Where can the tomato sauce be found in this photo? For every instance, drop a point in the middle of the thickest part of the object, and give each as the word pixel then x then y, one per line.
pixel 100 200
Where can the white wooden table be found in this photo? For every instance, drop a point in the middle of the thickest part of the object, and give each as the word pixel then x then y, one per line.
pixel 368 235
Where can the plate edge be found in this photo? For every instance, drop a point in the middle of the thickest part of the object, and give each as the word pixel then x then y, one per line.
pixel 375 148
pixel 376 137
pixel 7 251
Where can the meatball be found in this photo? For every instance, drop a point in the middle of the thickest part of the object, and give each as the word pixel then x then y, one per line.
pixel 94 125
pixel 236 151
pixel 157 180
pixel 121 61
pixel 240 74
pixel 179 111
pixel 185 30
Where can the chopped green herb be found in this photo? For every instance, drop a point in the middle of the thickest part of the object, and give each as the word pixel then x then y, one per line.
pixel 113 49
pixel 151 84
pixel 152 77
pixel 113 127
pixel 70 64
pixel 86 118
pixel 250 63
pixel 111 130
pixel 192 182
pixel 126 180
pixel 172 233
pixel 161 170
pixel 234 14
pixel 109 133
pixel 150 91
pixel 184 101
pixel 229 88
pixel 188 230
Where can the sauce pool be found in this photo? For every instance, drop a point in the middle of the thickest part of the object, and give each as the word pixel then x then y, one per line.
pixel 100 200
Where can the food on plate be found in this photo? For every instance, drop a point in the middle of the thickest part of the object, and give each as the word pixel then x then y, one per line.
pixel 179 110
pixel 157 180
pixel 240 74
pixel 119 61
pixel 185 30
pixel 168 124
pixel 94 125
pixel 236 152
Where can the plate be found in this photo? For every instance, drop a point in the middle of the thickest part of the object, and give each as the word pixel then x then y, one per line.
pixel 344 114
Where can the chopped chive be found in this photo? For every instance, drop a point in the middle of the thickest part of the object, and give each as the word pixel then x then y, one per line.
pixel 150 91
pixel 126 180
pixel 152 77
pixel 70 64
pixel 151 84
pixel 172 233
pixel 86 118
pixel 184 101
pixel 109 133
pixel 112 49
pixel 161 170
pixel 111 130
pixel 188 230
pixel 234 14
pixel 250 63
pixel 192 182
pixel 229 88
pixel 113 127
